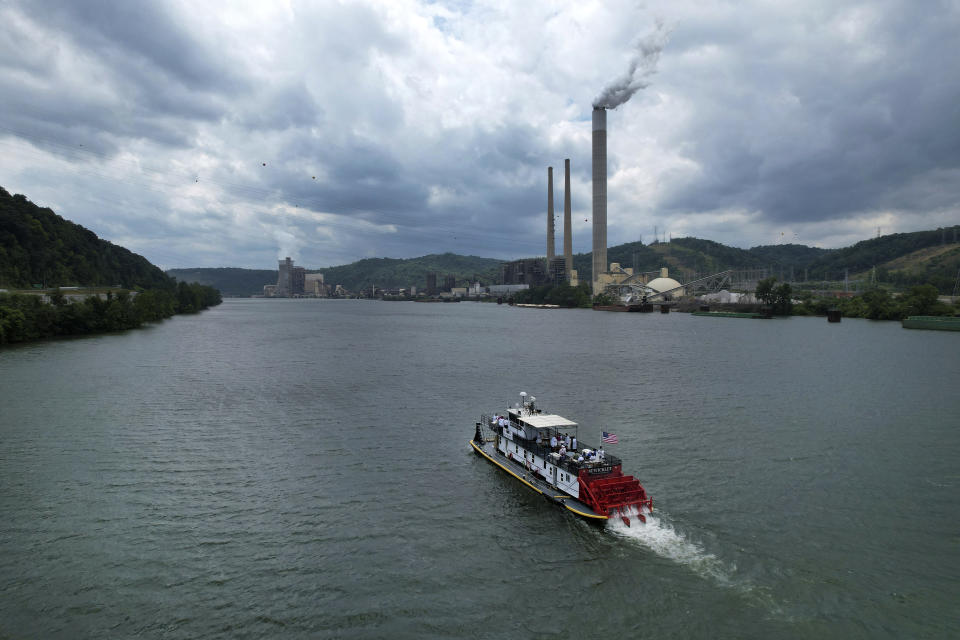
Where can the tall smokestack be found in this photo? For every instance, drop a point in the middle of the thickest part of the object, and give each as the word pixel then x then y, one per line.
pixel 567 235
pixel 599 195
pixel 550 242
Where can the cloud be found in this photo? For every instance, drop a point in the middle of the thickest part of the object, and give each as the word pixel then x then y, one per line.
pixel 212 134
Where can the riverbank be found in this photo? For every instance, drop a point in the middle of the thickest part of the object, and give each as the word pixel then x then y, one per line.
pixel 28 317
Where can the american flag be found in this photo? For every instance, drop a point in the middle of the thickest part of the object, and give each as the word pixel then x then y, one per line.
pixel 610 438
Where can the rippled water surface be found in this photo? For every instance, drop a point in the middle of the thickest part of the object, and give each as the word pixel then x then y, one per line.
pixel 300 468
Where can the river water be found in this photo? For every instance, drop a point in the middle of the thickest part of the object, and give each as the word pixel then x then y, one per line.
pixel 300 469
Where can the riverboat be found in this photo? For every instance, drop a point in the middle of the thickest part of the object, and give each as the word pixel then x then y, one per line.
pixel 529 445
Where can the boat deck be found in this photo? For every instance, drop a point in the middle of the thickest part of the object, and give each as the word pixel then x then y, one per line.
pixel 531 480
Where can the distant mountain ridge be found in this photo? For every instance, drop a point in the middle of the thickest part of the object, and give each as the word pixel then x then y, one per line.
pixel 384 273
pixel 902 258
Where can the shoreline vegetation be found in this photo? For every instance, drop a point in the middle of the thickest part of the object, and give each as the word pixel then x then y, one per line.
pixel 877 303
pixel 59 279
pixel 777 299
pixel 28 317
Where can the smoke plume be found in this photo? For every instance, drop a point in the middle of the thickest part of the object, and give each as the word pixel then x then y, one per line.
pixel 289 244
pixel 643 64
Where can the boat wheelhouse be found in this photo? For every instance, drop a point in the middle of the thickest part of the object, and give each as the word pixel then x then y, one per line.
pixel 544 452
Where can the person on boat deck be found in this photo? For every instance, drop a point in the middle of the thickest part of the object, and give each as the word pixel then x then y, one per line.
pixel 538 438
pixel 563 451
pixel 553 443
pixel 600 453
pixel 574 441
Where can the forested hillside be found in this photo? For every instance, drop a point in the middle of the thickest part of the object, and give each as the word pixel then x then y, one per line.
pixel 385 273
pixel 39 247
pixel 903 259
pixel 388 273
pixel 921 257
pixel 688 256
pixel 230 281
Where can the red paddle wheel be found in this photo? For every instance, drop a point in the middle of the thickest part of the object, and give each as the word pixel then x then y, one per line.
pixel 613 493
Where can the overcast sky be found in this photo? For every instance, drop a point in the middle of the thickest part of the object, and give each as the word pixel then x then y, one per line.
pixel 231 134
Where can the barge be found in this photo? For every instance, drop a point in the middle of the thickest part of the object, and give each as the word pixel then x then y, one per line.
pixel 937 323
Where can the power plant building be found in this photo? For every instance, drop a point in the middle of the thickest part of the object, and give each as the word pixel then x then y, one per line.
pixel 314 285
pixel 529 271
pixel 283 278
pixel 294 281
pixel 558 270
pixel 297 281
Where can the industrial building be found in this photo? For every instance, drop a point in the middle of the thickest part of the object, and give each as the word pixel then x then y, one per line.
pixel 314 286
pixel 612 278
pixel 529 271
pixel 295 282
pixel 282 289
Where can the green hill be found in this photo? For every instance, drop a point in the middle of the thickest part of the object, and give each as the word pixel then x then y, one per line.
pixel 901 259
pixel 230 281
pixel 938 265
pixel 389 273
pixel 797 256
pixel 932 261
pixel 689 256
pixel 385 273
pixel 885 250
pixel 39 247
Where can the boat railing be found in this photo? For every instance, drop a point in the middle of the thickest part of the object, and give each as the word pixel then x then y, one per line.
pixel 544 450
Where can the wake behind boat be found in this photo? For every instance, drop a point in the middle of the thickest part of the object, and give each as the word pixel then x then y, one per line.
pixel 542 451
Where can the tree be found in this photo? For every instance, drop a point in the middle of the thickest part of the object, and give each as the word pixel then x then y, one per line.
pixel 921 301
pixel 765 292
pixel 604 299
pixel 782 302
pixel 880 306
